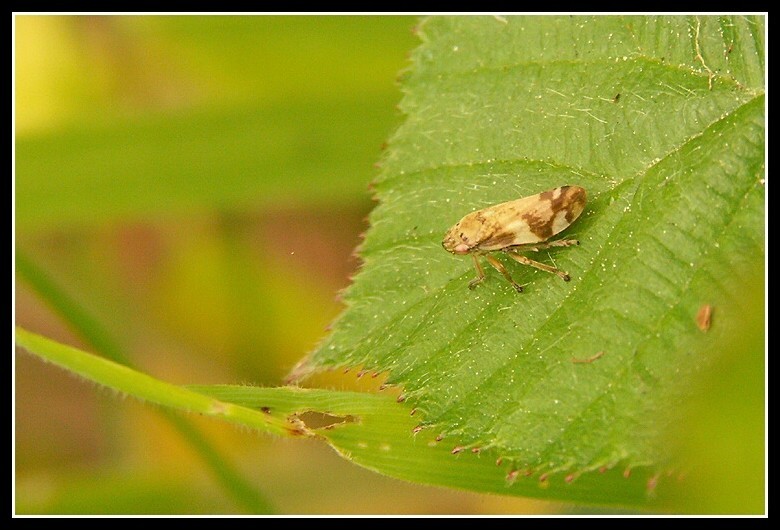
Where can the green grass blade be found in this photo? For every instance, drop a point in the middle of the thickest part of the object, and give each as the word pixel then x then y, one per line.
pixel 161 167
pixel 89 328
pixel 187 115
pixel 142 386
pixel 82 321
pixel 244 493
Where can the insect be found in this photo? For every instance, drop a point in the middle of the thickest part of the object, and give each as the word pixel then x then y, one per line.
pixel 517 226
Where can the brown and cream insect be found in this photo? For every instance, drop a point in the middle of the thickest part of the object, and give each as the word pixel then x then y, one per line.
pixel 517 226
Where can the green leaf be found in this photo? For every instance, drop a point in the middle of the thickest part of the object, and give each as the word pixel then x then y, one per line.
pixel 661 119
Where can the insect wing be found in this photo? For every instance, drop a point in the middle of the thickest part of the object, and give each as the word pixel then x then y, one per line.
pixel 506 225
pixel 531 219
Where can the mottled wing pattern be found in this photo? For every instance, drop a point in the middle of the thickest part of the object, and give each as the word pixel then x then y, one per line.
pixel 530 219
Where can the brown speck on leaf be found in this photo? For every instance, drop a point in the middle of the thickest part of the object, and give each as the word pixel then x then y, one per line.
pixel 627 472
pixel 439 438
pixel 417 429
pixel 499 461
pixel 652 483
pixel 457 449
pixel 373 376
pixel 361 373
pixel 543 477
pixel 569 478
pixel 400 398
pixel 382 386
pixel 475 450
pixel 411 412
pixel 346 370
pixel 603 469
pixel 512 475
pixel 267 410
pixel 587 360
pixel 704 317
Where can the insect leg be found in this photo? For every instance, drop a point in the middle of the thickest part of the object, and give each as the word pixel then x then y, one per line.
pixel 480 273
pixel 560 243
pixel 550 244
pixel 527 261
pixel 500 268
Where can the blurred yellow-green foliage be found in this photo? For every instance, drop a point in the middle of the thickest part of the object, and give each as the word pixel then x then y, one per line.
pixel 197 185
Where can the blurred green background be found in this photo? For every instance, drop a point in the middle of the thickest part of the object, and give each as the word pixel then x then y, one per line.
pixel 197 184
